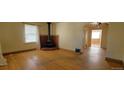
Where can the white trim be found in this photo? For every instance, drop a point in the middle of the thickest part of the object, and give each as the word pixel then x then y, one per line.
pixel 3 61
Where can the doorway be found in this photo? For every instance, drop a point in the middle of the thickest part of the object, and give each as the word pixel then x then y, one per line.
pixel 96 36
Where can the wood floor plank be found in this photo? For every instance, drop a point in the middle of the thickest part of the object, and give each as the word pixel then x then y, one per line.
pixel 92 58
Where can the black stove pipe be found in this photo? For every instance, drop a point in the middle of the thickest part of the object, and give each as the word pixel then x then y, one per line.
pixel 49 32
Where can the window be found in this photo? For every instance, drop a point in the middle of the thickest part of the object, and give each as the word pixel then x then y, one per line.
pixel 31 33
pixel 96 34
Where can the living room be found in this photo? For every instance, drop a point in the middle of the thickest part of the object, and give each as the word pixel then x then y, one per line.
pixel 22 38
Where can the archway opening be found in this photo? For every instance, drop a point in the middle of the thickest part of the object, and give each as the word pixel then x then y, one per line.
pixel 96 36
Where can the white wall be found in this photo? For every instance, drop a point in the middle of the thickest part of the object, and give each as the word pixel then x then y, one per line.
pixel 104 35
pixel 0 51
pixel 43 28
pixel 2 59
pixel 12 36
pixel 123 56
pixel 115 42
pixel 123 52
pixel 70 35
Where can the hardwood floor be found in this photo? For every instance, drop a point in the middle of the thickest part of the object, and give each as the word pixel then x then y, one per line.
pixel 92 58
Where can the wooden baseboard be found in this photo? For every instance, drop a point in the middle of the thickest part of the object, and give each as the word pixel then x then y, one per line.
pixel 66 49
pixel 18 51
pixel 49 49
pixel 70 50
pixel 113 60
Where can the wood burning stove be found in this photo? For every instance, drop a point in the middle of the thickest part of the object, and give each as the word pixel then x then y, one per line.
pixel 49 43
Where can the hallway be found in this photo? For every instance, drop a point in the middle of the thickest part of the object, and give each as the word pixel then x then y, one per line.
pixel 96 38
